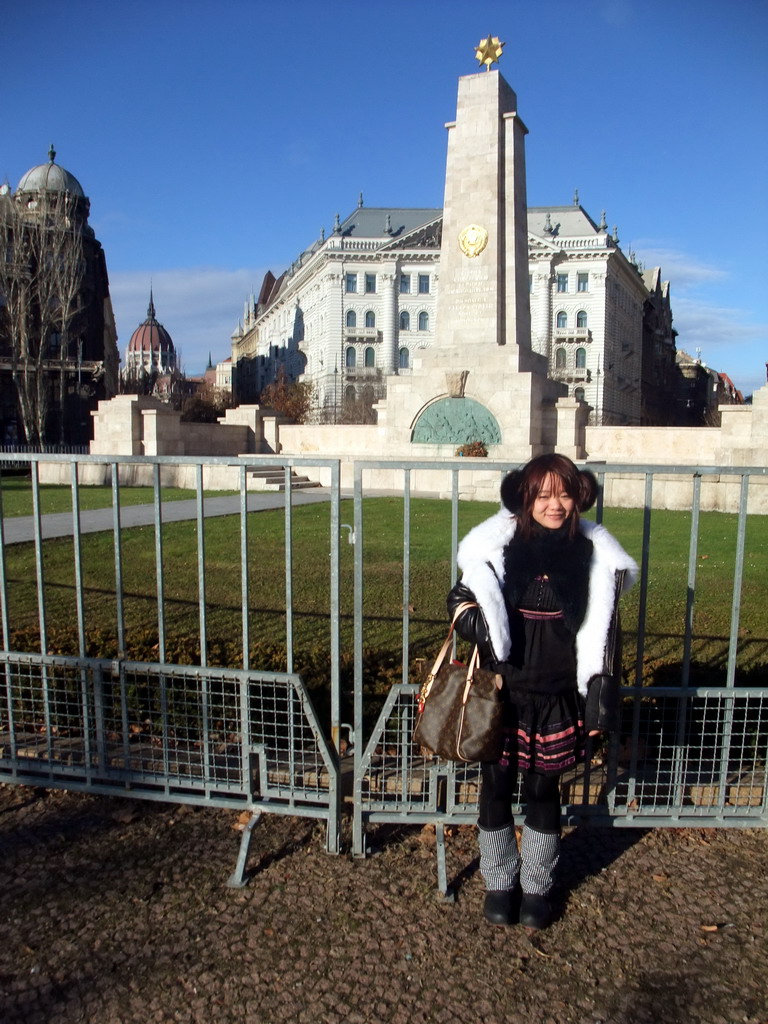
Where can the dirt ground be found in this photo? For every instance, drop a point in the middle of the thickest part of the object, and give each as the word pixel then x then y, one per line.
pixel 117 912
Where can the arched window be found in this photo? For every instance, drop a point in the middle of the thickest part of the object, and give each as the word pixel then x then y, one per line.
pixel 370 357
pixel 560 359
pixel 562 320
pixel 578 394
pixel 349 395
pixel 351 318
pixel 405 320
pixel 581 318
pixel 351 358
pixel 423 321
pixel 405 359
pixel 370 318
pixel 581 358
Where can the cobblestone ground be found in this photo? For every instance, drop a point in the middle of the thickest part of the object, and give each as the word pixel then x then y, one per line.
pixel 112 911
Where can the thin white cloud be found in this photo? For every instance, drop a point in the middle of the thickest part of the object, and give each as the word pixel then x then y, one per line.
pixel 198 306
pixel 728 338
pixel 615 12
pixel 728 343
pixel 683 270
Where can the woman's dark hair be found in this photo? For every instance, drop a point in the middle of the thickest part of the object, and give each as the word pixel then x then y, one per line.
pixel 520 488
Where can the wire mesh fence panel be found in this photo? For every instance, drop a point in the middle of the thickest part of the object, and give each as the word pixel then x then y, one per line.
pixel 397 774
pixel 47 720
pixel 205 735
pixel 694 753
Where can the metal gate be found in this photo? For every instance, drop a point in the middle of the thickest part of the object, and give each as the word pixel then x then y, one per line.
pixel 220 736
pixel 246 740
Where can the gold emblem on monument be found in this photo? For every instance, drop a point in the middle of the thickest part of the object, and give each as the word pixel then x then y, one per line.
pixel 488 51
pixel 472 240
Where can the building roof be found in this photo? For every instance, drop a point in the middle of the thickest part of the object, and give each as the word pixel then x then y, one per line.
pixel 50 177
pixel 151 336
pixel 385 222
pixel 566 221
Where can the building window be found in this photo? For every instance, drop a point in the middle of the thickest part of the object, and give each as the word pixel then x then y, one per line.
pixel 351 318
pixel 423 321
pixel 350 283
pixel 370 357
pixel 562 320
pixel 370 318
pixel 351 359
pixel 370 284
pixel 578 394
pixel 582 282
pixel 562 282
pixel 405 284
pixel 581 359
pixel 581 318
pixel 405 320
pixel 423 284
pixel 560 359
pixel 405 359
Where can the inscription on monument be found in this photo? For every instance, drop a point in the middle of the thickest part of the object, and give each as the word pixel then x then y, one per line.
pixel 470 294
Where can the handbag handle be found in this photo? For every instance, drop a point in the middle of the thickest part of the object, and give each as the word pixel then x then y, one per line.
pixel 424 692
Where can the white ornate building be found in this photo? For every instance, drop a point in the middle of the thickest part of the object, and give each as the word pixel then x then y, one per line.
pixel 355 306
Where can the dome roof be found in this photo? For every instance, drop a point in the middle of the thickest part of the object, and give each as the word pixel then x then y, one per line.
pixel 151 336
pixel 50 177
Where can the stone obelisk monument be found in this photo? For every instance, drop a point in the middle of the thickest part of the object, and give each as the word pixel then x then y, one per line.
pixel 481 376
pixel 483 294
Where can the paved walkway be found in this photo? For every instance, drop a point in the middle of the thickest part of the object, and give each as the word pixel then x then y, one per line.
pixel 115 912
pixel 21 529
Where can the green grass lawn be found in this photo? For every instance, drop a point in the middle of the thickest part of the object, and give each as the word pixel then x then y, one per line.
pixel 430 579
pixel 17 496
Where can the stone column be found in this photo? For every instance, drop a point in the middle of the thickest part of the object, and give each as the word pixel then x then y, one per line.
pixel 571 427
pixel 389 323
pixel 543 289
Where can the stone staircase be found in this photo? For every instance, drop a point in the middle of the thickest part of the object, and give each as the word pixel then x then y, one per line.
pixel 274 480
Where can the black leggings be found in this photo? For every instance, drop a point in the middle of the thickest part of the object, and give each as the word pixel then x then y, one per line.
pixel 541 794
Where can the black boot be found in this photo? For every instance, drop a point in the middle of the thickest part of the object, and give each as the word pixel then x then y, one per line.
pixel 500 867
pixel 535 911
pixel 540 852
pixel 501 906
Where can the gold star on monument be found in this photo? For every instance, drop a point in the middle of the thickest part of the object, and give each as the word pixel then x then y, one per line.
pixel 488 51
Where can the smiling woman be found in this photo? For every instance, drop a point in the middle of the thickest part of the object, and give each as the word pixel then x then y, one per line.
pixel 539 599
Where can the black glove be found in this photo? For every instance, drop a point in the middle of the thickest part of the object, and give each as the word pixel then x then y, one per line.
pixel 470 625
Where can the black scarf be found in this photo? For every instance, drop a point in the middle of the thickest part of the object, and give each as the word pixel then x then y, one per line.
pixel 554 554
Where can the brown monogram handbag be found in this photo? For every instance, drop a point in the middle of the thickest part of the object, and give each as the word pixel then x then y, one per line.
pixel 459 714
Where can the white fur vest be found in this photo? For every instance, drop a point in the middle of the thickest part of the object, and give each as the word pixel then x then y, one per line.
pixel 484 546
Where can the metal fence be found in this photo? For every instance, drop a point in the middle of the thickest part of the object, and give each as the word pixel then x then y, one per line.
pixel 224 736
pixel 246 740
pixel 248 736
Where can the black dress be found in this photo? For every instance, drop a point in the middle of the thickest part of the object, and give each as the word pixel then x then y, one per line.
pixel 543 710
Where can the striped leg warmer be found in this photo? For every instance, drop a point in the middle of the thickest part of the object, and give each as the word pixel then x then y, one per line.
pixel 540 853
pixel 499 858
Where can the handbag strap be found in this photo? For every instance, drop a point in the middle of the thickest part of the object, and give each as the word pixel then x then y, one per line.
pixel 473 662
pixel 424 693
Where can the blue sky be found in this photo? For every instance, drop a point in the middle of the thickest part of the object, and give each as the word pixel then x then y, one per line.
pixel 216 140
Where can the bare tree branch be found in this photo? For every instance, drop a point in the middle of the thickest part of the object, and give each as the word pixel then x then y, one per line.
pixel 41 274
